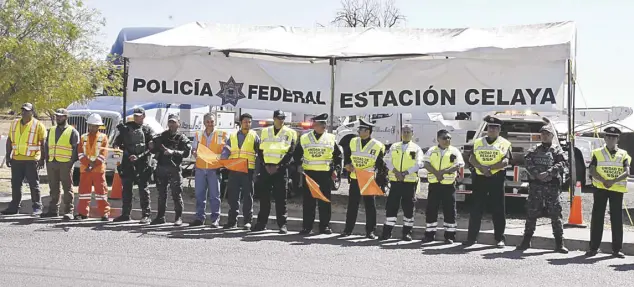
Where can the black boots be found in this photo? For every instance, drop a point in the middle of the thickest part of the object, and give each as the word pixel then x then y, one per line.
pixel 526 242
pixel 559 243
pixel 387 232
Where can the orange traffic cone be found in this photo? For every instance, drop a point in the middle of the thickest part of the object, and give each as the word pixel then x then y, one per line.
pixel 575 219
pixel 116 191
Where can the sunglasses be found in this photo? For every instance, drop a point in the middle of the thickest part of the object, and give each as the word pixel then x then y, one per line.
pixel 445 138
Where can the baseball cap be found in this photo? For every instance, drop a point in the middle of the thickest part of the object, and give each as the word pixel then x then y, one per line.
pixel 27 106
pixel 173 118
pixel 61 112
pixel 279 114
pixel 139 111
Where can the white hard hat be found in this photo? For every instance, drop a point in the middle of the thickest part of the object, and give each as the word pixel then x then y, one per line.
pixel 94 119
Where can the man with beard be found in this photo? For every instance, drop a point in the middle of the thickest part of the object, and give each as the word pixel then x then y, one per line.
pixel 60 152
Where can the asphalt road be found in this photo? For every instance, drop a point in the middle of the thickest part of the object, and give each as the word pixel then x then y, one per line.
pixel 92 253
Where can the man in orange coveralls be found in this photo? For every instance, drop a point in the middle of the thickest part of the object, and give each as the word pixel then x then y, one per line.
pixel 92 157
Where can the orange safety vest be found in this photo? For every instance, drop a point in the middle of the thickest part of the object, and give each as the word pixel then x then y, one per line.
pixel 24 142
pixel 218 140
pixel 89 148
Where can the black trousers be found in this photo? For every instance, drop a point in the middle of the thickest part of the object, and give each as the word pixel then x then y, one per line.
pixel 169 175
pixel 401 194
pixel 601 197
pixel 21 169
pixel 141 173
pixel 488 190
pixel 369 204
pixel 441 195
pixel 272 185
pixel 322 178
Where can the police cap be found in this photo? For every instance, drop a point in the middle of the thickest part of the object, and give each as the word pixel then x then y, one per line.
pixel 612 131
pixel 173 118
pixel 547 128
pixel 492 121
pixel 320 118
pixel 365 124
pixel 138 111
pixel 279 114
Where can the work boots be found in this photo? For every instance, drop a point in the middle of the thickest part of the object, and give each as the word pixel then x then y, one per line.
pixel 387 232
pixel 526 242
pixel 559 244
pixel 407 233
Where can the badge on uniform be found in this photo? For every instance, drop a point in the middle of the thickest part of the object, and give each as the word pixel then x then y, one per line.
pixel 412 154
pixel 373 152
pixel 452 158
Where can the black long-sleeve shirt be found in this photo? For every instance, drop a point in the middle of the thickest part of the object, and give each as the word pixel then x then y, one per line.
pixel 299 152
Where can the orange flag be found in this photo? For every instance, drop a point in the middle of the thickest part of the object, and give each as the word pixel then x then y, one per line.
pixel 314 189
pixel 367 185
pixel 213 160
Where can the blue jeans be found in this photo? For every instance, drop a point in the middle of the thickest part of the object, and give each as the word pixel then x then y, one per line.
pixel 207 187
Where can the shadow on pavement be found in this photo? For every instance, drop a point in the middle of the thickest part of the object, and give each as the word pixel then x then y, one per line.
pixel 581 259
pixel 514 254
pixel 623 267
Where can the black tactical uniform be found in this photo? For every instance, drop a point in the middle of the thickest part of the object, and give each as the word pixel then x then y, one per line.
pixel 168 170
pixel 134 139
pixel 544 194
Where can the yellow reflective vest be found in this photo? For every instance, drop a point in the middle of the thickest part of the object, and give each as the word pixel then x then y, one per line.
pixel 442 160
pixel 26 139
pixel 273 146
pixel 490 154
pixel 403 161
pixel 364 157
pixel 317 153
pixel 247 151
pixel 60 150
pixel 610 167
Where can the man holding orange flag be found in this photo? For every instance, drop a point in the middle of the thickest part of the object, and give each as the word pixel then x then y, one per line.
pixel 320 155
pixel 243 144
pixel 364 153
pixel 92 152
pixel 403 161
pixel 206 174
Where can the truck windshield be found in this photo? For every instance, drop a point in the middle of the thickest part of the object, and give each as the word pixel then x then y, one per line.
pixel 521 127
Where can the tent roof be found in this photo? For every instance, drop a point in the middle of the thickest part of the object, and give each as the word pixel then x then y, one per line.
pixel 547 41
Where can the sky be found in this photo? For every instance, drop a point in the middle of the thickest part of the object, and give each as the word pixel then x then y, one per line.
pixel 603 27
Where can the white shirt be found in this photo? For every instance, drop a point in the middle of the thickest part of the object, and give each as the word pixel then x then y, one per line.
pixel 419 157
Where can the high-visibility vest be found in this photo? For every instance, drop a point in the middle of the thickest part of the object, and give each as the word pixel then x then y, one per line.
pixel 247 151
pixel 317 153
pixel 610 167
pixel 441 161
pixel 490 154
pixel 364 157
pixel 60 150
pixel 273 146
pixel 91 150
pixel 403 161
pixel 24 142
pixel 217 143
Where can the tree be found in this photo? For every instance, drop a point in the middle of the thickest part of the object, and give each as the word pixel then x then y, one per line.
pixel 368 13
pixel 50 54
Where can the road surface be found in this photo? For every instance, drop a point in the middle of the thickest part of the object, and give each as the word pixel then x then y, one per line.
pixel 45 253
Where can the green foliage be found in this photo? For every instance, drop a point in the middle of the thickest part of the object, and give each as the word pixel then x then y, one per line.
pixel 48 54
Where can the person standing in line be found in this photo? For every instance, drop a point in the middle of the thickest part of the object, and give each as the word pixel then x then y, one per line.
pixel 170 147
pixel 206 178
pixel 319 155
pixel 610 167
pixel 136 165
pixel 244 144
pixel 92 155
pixel 278 143
pixel 403 161
pixel 27 137
pixel 491 154
pixel 60 152
pixel 442 163
pixel 364 153
pixel 546 163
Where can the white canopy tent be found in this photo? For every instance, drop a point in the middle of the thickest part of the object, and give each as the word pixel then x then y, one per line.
pixel 347 71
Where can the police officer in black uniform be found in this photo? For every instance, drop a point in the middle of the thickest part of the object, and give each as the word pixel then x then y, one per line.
pixel 170 147
pixel 134 139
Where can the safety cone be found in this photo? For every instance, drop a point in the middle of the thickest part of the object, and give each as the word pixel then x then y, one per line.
pixel 575 219
pixel 116 191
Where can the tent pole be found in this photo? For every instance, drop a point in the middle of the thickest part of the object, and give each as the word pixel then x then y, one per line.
pixel 125 87
pixel 571 131
pixel 333 62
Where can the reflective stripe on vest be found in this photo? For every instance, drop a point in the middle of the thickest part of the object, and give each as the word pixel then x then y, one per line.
pixel 274 147
pixel 317 153
pixel 610 168
pixel 490 154
pixel 218 139
pixel 92 151
pixel 60 150
pixel 364 157
pixel 439 163
pixel 247 150
pixel 402 161
pixel 25 143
